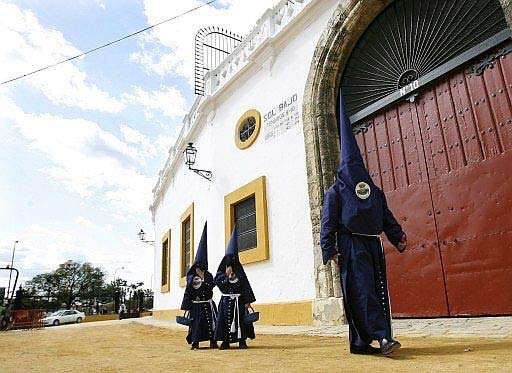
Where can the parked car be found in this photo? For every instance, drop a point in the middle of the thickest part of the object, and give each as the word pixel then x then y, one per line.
pixel 63 317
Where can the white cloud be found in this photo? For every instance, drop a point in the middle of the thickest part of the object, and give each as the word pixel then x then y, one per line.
pixel 146 148
pixel 168 100
pixel 42 247
pixel 133 136
pixel 26 46
pixel 86 159
pixel 101 4
pixel 85 223
pixel 169 48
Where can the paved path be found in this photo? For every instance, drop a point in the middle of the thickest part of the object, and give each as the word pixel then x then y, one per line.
pixel 487 327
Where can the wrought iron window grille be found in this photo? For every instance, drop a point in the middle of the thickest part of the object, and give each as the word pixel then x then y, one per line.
pixel 212 46
pixel 412 43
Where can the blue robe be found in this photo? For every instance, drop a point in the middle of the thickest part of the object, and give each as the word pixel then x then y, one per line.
pixel 223 328
pixel 203 323
pixel 361 260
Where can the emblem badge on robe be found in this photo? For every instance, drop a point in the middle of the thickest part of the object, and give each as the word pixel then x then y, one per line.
pixel 233 279
pixel 197 282
pixel 363 190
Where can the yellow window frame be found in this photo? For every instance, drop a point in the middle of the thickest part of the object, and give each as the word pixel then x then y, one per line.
pixel 188 214
pixel 166 240
pixel 256 188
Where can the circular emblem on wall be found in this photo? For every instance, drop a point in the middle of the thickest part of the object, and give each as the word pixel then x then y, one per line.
pixel 363 190
pixel 197 282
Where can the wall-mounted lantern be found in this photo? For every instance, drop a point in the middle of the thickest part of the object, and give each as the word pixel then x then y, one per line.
pixel 142 237
pixel 190 159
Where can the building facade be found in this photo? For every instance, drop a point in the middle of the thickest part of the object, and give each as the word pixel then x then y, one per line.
pixel 428 85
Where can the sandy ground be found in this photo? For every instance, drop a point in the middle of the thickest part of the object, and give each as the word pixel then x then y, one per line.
pixel 132 347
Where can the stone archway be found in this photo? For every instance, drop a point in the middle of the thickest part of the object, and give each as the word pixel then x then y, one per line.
pixel 342 32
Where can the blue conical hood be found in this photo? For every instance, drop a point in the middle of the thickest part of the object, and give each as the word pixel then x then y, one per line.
pixel 231 257
pixel 352 169
pixel 202 249
pixel 350 152
pixel 362 200
pixel 232 248
pixel 201 258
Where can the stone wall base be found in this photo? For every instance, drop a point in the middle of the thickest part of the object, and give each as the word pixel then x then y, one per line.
pixel 328 311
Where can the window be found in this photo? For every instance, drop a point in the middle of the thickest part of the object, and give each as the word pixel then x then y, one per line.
pixel 166 263
pixel 186 228
pixel 247 129
pixel 245 219
pixel 247 207
pixel 187 242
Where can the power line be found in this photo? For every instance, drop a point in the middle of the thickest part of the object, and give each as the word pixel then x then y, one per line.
pixel 110 43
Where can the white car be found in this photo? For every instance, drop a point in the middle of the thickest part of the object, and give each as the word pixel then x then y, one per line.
pixel 63 317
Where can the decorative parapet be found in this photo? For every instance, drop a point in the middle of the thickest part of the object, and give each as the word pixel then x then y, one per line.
pixel 267 27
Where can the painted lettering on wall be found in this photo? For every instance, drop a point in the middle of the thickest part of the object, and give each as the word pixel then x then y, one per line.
pixel 281 117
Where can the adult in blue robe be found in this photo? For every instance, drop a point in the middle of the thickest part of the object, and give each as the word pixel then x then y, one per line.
pixel 355 213
pixel 198 298
pixel 237 296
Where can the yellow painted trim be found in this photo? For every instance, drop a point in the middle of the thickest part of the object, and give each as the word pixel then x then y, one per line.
pixel 257 189
pixel 249 113
pixel 286 313
pixel 189 213
pixel 94 318
pixel 167 314
pixel 166 237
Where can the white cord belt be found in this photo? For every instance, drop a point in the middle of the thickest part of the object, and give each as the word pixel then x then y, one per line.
pixel 214 314
pixel 236 314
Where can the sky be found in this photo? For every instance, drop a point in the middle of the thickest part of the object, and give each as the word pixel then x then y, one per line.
pixel 81 144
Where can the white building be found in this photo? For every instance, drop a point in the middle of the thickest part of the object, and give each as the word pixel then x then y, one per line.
pixel 266 129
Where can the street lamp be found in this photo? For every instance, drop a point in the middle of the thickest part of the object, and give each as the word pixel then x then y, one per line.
pixel 190 153
pixel 142 237
pixel 10 272
pixel 115 290
pixel 117 269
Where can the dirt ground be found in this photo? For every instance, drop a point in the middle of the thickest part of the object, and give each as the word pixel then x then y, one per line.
pixel 133 347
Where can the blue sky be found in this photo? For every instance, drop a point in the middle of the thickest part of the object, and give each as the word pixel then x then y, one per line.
pixel 81 144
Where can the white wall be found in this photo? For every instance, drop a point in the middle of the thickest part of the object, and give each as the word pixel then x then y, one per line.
pixel 288 274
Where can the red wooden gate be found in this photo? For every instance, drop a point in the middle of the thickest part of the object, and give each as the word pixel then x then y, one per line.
pixel 444 162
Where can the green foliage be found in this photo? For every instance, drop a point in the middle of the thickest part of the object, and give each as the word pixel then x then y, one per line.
pixel 83 284
pixel 69 282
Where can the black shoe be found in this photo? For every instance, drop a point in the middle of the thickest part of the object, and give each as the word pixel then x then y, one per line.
pixel 195 346
pixel 242 345
pixel 213 344
pixel 224 346
pixel 364 350
pixel 388 347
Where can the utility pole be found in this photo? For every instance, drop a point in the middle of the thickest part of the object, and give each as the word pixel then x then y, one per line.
pixel 10 272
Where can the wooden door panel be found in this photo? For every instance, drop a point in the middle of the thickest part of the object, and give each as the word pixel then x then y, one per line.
pixel 470 140
pixel 392 143
pixel 415 277
pixel 473 213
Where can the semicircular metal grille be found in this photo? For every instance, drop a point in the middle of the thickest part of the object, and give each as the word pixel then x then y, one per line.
pixel 411 38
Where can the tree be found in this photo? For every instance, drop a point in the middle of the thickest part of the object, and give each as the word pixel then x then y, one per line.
pixel 43 285
pixel 70 281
